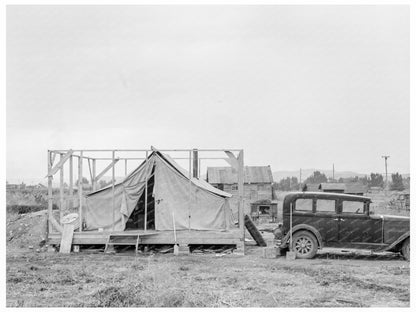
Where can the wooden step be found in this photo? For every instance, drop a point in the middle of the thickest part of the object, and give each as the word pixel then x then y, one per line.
pixel 124 239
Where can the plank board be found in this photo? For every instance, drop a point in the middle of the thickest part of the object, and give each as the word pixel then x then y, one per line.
pixel 155 237
pixel 255 233
pixel 66 240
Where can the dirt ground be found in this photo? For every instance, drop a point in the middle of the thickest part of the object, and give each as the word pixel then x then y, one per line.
pixel 332 279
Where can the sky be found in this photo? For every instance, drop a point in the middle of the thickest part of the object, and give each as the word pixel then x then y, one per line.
pixel 294 86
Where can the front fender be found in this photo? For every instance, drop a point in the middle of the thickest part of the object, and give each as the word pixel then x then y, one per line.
pixel 299 227
pixel 396 242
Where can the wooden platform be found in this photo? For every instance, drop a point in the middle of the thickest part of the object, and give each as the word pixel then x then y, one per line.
pixel 156 237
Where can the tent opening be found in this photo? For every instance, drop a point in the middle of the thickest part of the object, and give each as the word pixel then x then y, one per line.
pixel 136 220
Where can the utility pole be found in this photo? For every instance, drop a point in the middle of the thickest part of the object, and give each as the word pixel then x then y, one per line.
pixel 333 172
pixel 300 178
pixel 385 164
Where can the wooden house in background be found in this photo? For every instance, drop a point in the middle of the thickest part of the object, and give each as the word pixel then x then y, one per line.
pixel 353 188
pixel 332 187
pixel 356 188
pixel 258 182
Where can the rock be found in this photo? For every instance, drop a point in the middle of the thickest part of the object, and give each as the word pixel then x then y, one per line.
pixel 30 247
pixel 38 250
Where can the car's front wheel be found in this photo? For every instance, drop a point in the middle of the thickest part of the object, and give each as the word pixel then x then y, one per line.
pixel 305 245
pixel 405 251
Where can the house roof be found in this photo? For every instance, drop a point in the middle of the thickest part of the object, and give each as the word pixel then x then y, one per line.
pixel 312 187
pixel 355 188
pixel 228 175
pixel 332 186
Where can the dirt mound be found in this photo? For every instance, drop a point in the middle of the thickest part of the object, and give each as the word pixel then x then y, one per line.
pixel 26 231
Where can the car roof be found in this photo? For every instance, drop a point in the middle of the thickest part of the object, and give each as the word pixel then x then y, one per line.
pixel 325 195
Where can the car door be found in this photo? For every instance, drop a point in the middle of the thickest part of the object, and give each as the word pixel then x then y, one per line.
pixel 356 227
pixel 303 211
pixel 326 220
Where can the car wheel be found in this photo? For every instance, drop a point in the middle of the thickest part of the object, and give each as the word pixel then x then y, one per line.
pixel 305 245
pixel 405 251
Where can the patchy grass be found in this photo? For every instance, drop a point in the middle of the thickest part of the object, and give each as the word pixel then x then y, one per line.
pixel 164 280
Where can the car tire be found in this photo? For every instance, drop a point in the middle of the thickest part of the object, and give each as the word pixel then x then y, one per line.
pixel 305 245
pixel 405 251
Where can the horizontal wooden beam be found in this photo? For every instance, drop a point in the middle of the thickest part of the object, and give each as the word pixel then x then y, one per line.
pixel 147 150
pixel 60 163
pixel 106 169
pixel 157 237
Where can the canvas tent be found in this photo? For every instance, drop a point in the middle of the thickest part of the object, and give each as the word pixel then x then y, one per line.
pixel 172 197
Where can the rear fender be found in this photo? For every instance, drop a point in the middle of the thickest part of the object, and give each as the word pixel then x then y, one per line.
pixel 305 227
pixel 397 242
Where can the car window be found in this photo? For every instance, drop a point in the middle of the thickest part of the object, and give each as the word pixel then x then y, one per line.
pixel 325 205
pixel 304 204
pixel 353 207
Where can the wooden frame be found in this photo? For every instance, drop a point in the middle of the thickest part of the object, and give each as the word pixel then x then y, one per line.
pixel 235 157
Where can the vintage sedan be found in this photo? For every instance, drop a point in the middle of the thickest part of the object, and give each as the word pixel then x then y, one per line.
pixel 320 219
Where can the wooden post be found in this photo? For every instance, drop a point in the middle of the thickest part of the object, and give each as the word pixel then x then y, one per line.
pixel 112 187
pixel 50 195
pixel 190 190
pixel 71 183
pixel 199 167
pixel 195 167
pixel 290 224
pixel 80 189
pixel 145 195
pixel 61 191
pixel 241 198
pixel 94 172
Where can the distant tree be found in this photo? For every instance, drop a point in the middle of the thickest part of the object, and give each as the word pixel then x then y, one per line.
pixel 364 180
pixel 376 179
pixel 316 177
pixel 287 184
pixel 406 183
pixel 84 181
pixel 103 183
pixel 396 182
